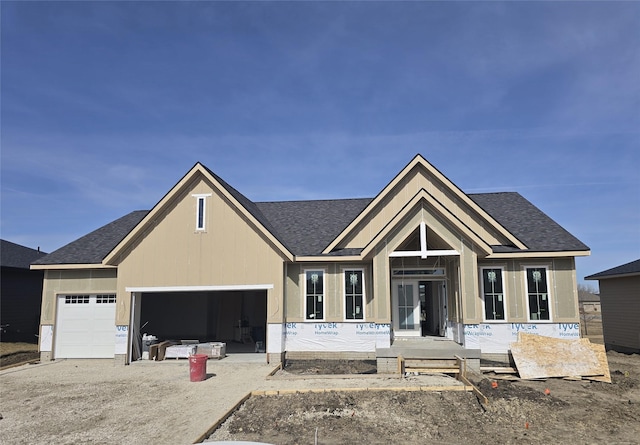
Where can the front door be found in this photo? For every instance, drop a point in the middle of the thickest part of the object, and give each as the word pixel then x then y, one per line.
pixel 406 309
pixel 419 308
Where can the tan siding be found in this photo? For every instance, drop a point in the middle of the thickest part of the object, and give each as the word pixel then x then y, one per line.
pixel 333 292
pixel 294 303
pixel 382 289
pixel 565 290
pixel 230 252
pixel 60 282
pixel 562 288
pixel 620 302
pixel 471 305
pixel 406 189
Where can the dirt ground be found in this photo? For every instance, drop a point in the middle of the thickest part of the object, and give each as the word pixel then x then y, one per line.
pixel 518 412
pixel 14 353
pixel 94 401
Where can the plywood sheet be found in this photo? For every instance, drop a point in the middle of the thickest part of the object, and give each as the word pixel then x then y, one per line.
pixel 537 356
pixel 601 354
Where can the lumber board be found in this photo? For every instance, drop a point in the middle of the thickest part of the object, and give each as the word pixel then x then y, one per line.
pixel 499 369
pixel 433 370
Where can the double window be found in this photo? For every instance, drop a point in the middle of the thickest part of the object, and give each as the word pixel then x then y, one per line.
pixel 314 294
pixel 354 294
pixel 537 293
pixel 493 293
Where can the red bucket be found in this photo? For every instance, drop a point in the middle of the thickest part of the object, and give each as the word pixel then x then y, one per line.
pixel 198 367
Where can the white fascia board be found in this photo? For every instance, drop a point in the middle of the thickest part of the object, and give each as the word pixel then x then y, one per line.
pixel 71 266
pixel 527 254
pixel 424 254
pixel 231 287
pixel 327 259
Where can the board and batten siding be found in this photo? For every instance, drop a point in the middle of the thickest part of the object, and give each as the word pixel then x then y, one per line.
pixel 466 262
pixel 562 288
pixel 416 180
pixel 231 251
pixel 334 302
pixel 620 303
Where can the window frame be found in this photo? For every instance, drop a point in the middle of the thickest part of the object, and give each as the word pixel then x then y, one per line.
pixel 306 295
pixel 363 305
pixel 548 293
pixel 201 211
pixel 484 294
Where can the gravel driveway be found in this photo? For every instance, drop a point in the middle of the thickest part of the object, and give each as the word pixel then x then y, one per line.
pixel 95 401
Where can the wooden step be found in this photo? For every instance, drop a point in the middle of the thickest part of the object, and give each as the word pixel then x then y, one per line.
pixel 428 366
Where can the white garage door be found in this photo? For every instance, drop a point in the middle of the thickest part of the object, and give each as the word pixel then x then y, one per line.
pixel 85 327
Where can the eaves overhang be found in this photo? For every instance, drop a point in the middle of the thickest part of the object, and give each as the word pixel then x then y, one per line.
pixel 538 254
pixel 71 266
pixel 608 277
pixel 328 259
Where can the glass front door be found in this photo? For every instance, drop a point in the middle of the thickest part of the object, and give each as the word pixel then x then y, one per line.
pixel 419 308
pixel 407 309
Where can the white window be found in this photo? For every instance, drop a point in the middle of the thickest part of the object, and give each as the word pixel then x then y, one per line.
pixel 354 294
pixel 76 299
pixel 538 293
pixel 314 294
pixel 105 298
pixel 493 293
pixel 201 211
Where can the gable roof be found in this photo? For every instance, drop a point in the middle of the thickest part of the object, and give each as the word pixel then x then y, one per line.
pixel 528 223
pixel 309 228
pixel 93 247
pixel 17 256
pixel 419 162
pixel 245 206
pixel 628 269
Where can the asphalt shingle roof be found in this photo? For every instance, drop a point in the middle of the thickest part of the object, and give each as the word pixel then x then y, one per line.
pixel 17 256
pixel 629 268
pixel 306 228
pixel 527 223
pixel 93 247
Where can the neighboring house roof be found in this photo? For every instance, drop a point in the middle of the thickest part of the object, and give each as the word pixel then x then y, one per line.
pixel 528 223
pixel 17 256
pixel 628 269
pixel 92 248
pixel 306 228
pixel 588 297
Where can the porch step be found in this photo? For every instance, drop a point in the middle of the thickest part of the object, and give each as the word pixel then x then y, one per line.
pixel 430 363
pixel 428 366
pixel 429 354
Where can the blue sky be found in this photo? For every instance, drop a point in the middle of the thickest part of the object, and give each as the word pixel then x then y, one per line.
pixel 105 105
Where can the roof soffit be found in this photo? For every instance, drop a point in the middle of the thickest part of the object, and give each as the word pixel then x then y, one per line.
pixel 198 170
pixel 437 178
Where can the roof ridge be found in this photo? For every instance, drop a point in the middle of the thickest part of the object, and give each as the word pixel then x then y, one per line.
pixel 313 200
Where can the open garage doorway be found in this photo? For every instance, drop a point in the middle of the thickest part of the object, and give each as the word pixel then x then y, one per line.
pixel 237 318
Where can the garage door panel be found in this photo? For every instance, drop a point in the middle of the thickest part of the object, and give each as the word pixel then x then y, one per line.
pixel 85 327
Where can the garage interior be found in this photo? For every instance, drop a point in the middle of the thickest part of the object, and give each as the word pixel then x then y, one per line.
pixel 237 318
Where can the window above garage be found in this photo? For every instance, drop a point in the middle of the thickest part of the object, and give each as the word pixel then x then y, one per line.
pixel 201 211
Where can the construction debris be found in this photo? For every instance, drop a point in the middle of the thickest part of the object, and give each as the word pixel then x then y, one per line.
pixel 539 357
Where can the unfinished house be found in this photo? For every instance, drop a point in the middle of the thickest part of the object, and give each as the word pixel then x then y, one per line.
pixel 422 263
